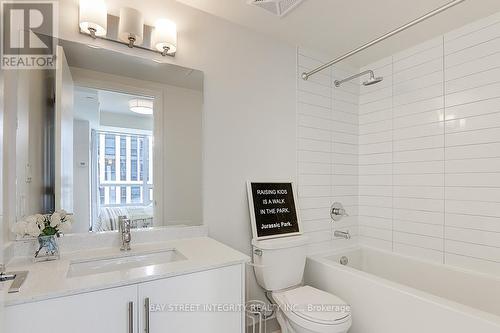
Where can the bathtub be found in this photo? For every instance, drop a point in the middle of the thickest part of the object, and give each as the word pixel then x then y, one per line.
pixel 391 293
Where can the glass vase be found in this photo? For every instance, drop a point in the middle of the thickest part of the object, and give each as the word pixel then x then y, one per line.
pixel 46 249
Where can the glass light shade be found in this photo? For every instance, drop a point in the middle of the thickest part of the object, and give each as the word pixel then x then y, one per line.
pixel 165 36
pixel 141 106
pixel 93 15
pixel 131 25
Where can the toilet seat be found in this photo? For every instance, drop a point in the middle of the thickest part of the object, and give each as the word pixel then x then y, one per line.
pixel 326 309
pixel 295 304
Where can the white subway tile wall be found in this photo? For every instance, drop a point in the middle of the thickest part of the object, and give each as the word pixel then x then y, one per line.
pixel 327 157
pixel 375 158
pixel 429 150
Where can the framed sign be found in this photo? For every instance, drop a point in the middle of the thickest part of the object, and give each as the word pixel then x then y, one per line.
pixel 273 210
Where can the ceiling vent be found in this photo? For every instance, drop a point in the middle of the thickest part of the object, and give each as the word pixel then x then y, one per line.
pixel 277 7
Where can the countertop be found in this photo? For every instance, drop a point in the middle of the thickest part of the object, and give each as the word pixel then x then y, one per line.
pixel 48 280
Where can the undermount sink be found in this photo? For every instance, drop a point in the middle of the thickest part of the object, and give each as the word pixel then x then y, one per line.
pixel 124 261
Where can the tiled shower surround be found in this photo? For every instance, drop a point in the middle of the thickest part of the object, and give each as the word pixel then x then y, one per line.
pixel 428 144
pixel 327 153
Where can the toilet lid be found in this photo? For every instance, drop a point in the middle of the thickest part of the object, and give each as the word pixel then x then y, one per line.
pixel 316 305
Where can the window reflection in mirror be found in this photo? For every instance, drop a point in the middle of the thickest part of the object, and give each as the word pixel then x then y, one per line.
pixel 113 152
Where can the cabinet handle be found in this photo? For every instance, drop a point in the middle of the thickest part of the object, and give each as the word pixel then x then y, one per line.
pixel 146 317
pixel 130 317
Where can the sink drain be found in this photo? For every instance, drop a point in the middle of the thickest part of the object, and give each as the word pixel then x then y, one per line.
pixel 344 260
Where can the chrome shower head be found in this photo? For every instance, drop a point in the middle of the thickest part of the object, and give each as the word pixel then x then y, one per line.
pixel 372 80
pixel 369 82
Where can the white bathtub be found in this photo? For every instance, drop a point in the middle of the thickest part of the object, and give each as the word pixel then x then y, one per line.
pixel 391 293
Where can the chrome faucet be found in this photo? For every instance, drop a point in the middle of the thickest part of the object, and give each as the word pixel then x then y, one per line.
pixel 17 278
pixel 342 234
pixel 4 276
pixel 124 230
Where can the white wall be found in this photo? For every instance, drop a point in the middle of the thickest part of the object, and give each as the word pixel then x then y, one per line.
pixel 2 185
pixel 182 174
pixel 114 119
pixel 10 93
pixel 81 174
pixel 28 140
pixel 327 152
pixel 249 120
pixel 63 134
pixel 430 150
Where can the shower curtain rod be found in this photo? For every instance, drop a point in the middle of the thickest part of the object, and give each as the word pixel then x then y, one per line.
pixel 306 75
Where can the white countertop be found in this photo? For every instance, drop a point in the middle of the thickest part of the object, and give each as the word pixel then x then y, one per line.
pixel 49 279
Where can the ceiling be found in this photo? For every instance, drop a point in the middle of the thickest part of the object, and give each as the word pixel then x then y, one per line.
pixel 104 101
pixel 115 102
pixel 104 109
pixel 338 26
pixel 86 105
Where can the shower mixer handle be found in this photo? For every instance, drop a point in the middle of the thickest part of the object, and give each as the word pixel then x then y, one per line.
pixel 337 211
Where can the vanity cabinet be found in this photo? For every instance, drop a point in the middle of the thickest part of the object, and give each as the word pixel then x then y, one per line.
pixel 193 303
pixel 103 311
pixel 206 301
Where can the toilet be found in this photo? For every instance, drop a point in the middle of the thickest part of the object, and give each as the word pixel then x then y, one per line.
pixel 279 268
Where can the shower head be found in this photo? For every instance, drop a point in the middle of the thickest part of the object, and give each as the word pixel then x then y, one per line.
pixel 371 80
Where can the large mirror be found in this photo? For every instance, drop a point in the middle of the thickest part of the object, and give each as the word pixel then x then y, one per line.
pixel 108 135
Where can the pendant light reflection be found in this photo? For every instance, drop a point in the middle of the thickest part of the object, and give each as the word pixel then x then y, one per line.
pixel 141 106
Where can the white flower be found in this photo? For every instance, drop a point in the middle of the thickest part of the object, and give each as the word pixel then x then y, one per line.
pixel 19 228
pixel 32 229
pixel 40 218
pixel 69 218
pixel 41 226
pixel 62 213
pixel 65 227
pixel 55 220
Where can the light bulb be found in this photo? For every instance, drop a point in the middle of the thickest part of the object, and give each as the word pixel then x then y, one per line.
pixel 93 17
pixel 131 26
pixel 165 36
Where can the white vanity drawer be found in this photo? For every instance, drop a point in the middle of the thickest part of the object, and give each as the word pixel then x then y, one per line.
pixel 201 302
pixel 103 311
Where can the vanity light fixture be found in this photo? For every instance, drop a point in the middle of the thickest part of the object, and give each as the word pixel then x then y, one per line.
pixel 165 36
pixel 141 106
pixel 131 26
pixel 93 17
pixel 128 28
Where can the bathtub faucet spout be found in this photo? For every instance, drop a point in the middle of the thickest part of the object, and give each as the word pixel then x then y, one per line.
pixel 342 234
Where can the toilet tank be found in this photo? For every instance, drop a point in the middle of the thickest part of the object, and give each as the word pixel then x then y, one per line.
pixel 279 262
